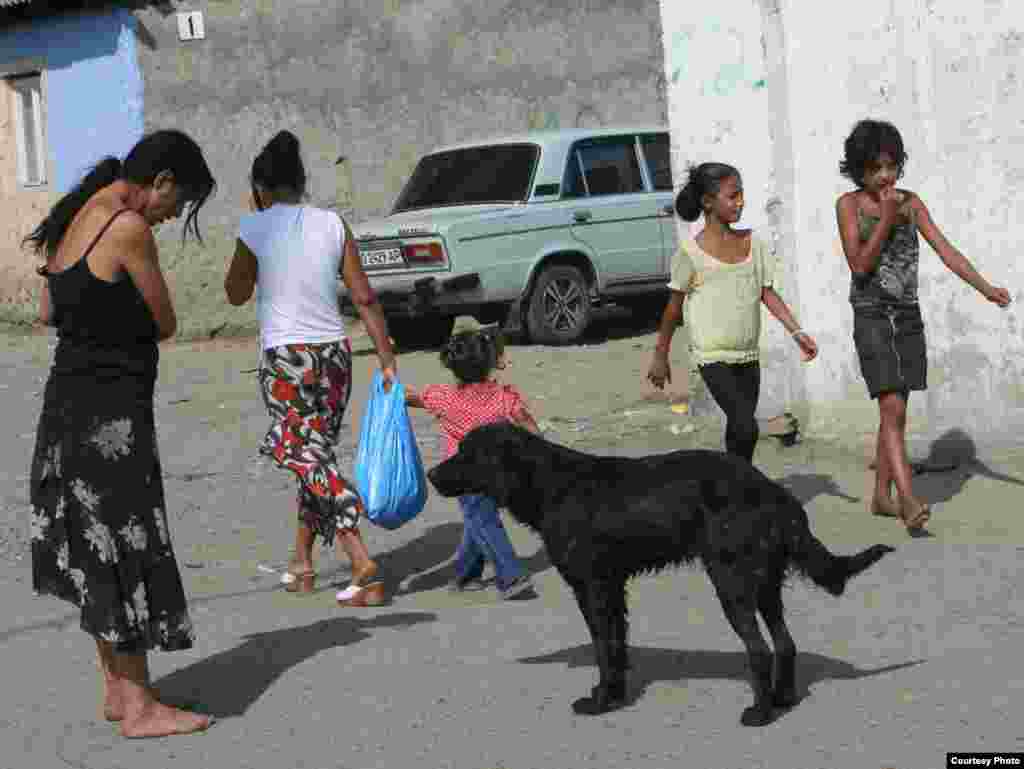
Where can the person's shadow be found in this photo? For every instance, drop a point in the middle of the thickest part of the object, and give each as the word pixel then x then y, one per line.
pixel 423 554
pixel 650 665
pixel 433 548
pixel 952 460
pixel 439 577
pixel 226 684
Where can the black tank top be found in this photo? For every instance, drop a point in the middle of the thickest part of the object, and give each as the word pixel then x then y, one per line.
pixel 105 329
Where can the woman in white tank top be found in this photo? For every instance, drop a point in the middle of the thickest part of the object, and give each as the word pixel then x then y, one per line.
pixel 292 255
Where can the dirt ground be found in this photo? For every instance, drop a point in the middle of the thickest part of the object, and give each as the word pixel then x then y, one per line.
pixel 469 682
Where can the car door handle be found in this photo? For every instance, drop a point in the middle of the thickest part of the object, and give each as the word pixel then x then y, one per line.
pixel 581 216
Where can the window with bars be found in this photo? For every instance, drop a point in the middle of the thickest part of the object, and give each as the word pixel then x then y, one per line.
pixel 30 127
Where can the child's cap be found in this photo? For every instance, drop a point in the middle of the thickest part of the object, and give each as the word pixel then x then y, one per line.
pixel 466 324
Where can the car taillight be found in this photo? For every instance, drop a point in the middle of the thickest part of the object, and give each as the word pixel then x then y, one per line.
pixel 420 253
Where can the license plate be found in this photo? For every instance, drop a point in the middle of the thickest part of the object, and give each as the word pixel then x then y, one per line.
pixel 382 257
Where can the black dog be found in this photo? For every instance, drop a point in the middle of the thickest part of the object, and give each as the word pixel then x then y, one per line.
pixel 606 519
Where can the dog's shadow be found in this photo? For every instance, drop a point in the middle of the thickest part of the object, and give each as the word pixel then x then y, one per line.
pixel 806 486
pixel 226 684
pixel 652 665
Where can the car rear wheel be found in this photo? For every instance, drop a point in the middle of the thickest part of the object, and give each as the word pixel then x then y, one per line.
pixel 420 333
pixel 559 310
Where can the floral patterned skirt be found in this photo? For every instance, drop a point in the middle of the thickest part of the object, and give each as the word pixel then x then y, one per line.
pixel 99 531
pixel 306 388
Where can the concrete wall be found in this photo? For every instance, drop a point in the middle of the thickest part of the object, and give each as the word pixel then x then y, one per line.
pixel 380 82
pixel 774 86
pixel 92 90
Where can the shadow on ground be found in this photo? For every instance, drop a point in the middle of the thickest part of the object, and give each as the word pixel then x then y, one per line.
pixel 807 486
pixel 652 665
pixel 433 548
pixel 440 577
pixel 227 684
pixel 952 460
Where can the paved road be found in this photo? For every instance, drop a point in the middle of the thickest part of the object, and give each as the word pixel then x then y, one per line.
pixel 921 656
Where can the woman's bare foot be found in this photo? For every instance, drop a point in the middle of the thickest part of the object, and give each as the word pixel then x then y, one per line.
pixel 113 703
pixel 158 720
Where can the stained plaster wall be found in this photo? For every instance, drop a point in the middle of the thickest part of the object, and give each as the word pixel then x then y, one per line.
pixel 774 86
pixel 378 82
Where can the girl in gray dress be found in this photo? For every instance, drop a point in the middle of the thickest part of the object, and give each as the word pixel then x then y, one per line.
pixel 879 225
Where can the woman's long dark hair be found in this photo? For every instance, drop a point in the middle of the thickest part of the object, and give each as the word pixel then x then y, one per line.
pixel 169 150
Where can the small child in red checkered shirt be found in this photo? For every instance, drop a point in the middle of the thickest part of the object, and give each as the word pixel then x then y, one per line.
pixel 472 353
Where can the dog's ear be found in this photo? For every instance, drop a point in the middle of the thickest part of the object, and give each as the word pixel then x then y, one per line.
pixel 492 451
pixel 502 484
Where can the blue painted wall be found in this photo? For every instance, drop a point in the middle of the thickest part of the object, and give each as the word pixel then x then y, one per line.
pixel 93 90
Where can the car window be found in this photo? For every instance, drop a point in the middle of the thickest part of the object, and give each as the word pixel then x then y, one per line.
pixel 656 155
pixel 493 174
pixel 604 167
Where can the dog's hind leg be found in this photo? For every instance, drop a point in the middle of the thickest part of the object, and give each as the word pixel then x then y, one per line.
pixel 603 601
pixel 769 603
pixel 579 589
pixel 620 636
pixel 737 594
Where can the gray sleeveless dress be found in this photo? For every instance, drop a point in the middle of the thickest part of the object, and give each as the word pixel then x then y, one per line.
pixel 888 330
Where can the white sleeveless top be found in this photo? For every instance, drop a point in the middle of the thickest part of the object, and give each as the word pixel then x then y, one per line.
pixel 298 250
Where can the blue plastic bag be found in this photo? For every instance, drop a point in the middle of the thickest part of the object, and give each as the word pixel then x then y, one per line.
pixel 389 470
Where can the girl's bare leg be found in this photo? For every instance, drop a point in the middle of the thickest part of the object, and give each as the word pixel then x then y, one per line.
pixel 893 410
pixel 882 502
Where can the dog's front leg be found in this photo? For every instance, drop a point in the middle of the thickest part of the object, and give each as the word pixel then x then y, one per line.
pixel 603 600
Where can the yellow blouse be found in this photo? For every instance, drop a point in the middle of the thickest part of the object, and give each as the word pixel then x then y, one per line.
pixel 723 301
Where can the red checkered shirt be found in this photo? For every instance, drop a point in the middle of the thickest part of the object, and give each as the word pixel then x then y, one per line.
pixel 461 408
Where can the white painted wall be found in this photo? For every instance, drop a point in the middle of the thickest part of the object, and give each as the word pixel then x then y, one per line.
pixel 774 87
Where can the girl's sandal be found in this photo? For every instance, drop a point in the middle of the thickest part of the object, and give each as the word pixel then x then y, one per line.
pixel 299 582
pixel 362 577
pixel 361 595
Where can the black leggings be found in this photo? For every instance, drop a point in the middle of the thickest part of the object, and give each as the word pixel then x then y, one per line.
pixel 735 388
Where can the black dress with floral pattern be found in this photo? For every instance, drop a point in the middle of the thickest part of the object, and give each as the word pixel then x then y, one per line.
pixel 99 530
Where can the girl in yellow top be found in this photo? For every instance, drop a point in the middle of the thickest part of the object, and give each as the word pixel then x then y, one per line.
pixel 728 274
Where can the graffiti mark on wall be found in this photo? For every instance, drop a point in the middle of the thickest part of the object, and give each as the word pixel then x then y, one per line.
pixel 542 120
pixel 721 57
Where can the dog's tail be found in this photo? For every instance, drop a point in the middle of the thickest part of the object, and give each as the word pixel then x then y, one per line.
pixel 830 571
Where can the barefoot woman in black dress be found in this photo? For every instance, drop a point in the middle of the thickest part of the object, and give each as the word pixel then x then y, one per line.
pixel 99 524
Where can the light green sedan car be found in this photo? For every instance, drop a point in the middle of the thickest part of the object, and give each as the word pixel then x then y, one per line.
pixel 533 231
